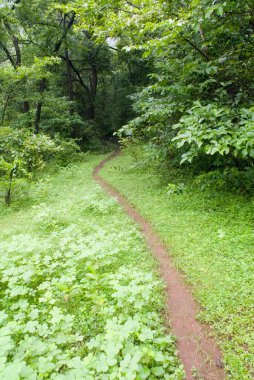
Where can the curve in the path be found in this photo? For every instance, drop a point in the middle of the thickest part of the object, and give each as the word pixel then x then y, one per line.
pixel 200 356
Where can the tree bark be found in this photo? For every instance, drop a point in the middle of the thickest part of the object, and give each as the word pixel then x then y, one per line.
pixel 91 109
pixel 8 193
pixel 37 119
pixel 42 87
pixel 5 107
pixel 17 61
pixel 15 42
pixel 93 79
pixel 90 95
pixel 69 77
pixel 26 106
pixel 8 54
pixel 65 32
pixel 8 99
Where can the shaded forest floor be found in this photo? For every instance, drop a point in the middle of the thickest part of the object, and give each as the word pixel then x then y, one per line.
pixel 210 237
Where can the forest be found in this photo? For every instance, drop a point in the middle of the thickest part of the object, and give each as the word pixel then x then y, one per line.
pixel 116 107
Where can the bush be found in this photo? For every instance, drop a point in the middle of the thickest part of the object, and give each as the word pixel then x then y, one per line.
pixel 70 151
pixel 213 130
pixel 22 153
pixel 230 179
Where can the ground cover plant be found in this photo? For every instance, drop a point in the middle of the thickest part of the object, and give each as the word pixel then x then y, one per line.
pixel 210 237
pixel 80 297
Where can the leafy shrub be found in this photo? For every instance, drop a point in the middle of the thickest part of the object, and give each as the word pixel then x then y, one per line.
pixel 173 188
pixel 230 179
pixel 129 143
pixel 213 131
pixel 22 153
pixel 70 151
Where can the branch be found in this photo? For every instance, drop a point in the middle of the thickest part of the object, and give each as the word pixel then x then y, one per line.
pixel 14 5
pixel 15 43
pixel 111 47
pixel 66 30
pixel 8 54
pixel 197 49
pixel 126 11
pixel 78 75
pixel 133 5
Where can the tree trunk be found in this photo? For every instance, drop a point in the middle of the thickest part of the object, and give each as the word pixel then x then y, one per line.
pixel 8 99
pixel 69 78
pixel 8 193
pixel 39 107
pixel 93 79
pixel 5 107
pixel 91 110
pixel 26 106
pixel 15 63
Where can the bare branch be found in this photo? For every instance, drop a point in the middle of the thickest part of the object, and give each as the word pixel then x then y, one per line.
pixel 66 30
pixel 8 54
pixel 197 49
pixel 133 5
pixel 76 71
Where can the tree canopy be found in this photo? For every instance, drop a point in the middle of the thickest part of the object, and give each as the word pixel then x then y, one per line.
pixel 176 76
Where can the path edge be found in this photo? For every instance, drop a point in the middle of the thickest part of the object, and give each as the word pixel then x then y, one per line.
pixel 197 349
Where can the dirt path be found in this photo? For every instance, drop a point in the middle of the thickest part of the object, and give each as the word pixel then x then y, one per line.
pixel 196 349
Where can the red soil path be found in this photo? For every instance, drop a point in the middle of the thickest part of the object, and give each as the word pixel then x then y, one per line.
pixel 197 350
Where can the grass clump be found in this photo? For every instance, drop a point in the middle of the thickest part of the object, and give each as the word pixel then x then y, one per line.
pixel 79 295
pixel 210 236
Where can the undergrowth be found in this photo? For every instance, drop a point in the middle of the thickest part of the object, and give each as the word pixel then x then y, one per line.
pixel 79 293
pixel 210 236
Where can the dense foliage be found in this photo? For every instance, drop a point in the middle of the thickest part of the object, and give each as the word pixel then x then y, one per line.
pixel 198 106
pixel 59 80
pixel 56 76
pixel 75 68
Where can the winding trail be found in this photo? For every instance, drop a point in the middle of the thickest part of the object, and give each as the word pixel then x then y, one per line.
pixel 197 350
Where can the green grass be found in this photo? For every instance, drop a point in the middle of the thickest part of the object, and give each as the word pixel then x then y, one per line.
pixel 80 297
pixel 210 237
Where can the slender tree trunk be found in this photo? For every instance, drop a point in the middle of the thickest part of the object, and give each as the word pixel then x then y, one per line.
pixel 43 81
pixel 69 80
pixel 15 42
pixel 8 99
pixel 91 109
pixel 5 107
pixel 26 109
pixel 39 107
pixel 8 193
pixel 93 79
pixel 26 106
pixel 18 61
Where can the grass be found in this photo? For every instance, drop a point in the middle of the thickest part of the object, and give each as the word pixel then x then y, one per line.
pixel 210 237
pixel 80 296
